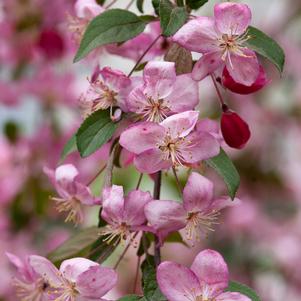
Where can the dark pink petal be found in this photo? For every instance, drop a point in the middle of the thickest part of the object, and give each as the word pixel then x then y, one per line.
pixel 235 130
pixel 181 124
pixel 142 137
pixel 198 35
pixel 198 193
pixel 206 65
pixel 232 18
pixel 212 271
pixel 167 216
pixel 151 161
pixel 232 296
pixel 112 204
pixel 46 270
pixel 200 146
pixel 177 282
pixel 235 87
pixel 134 207
pixel 96 281
pixel 243 68
pixel 184 95
pixel 159 78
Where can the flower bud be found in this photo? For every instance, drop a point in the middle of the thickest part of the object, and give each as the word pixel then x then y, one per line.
pixel 51 43
pixel 229 83
pixel 235 130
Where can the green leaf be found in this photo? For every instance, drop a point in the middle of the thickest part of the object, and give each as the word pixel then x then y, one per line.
pixel 195 4
pixel 112 26
pixel 75 245
pixel 181 57
pixel 139 5
pixel 94 132
pixel 131 298
pixel 171 18
pixel 266 46
pixel 69 147
pixel 175 237
pixel 226 169
pixel 243 289
pixel 156 4
pixel 149 281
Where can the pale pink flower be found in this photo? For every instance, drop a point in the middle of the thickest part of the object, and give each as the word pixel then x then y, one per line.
pixel 163 93
pixel 109 88
pixel 221 41
pixel 206 280
pixel 124 215
pixel 198 214
pixel 73 194
pixel 172 142
pixel 77 279
pixel 29 285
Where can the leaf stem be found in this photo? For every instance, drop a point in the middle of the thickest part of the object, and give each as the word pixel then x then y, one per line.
pixel 144 53
pixel 157 190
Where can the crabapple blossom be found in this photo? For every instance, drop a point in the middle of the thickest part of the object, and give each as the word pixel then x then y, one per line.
pixel 73 194
pixel 172 142
pixel 235 130
pixel 124 215
pixel 229 83
pixel 198 213
pixel 29 285
pixel 162 93
pixel 107 90
pixel 206 280
pixel 77 278
pixel 221 41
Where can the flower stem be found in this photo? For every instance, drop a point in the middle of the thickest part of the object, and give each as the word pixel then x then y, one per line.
pixel 157 190
pixel 179 186
pixel 144 53
pixel 220 97
pixel 111 4
pixel 130 4
pixel 97 175
pixel 137 274
pixel 139 181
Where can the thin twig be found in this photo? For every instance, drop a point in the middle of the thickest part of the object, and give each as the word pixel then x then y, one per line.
pixel 139 181
pixel 143 54
pixel 179 185
pixel 217 90
pixel 130 4
pixel 111 4
pixel 97 175
pixel 137 274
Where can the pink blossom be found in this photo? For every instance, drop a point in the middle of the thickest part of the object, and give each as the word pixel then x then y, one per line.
pixel 108 91
pixel 198 213
pixel 221 41
pixel 163 93
pixel 172 142
pixel 124 215
pixel 206 280
pixel 73 194
pixel 29 285
pixel 77 278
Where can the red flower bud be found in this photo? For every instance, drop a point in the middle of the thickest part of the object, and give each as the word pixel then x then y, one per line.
pixel 229 83
pixel 235 130
pixel 51 43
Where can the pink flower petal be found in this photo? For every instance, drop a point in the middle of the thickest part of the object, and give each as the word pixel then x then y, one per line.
pixel 211 270
pixel 198 35
pixel 87 9
pixel 232 18
pixel 180 125
pixel 206 65
pixel 223 202
pixel 177 282
pixel 243 68
pixel 134 207
pixel 151 161
pixel 232 296
pixel 96 281
pixel 159 78
pixel 141 137
pixel 198 193
pixel 66 173
pixel 137 100
pixel 46 270
pixel 184 95
pixel 113 204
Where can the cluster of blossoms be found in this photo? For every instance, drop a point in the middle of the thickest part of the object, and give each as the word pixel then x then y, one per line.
pixel 160 130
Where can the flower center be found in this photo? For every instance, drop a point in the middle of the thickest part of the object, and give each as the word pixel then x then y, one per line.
pixel 155 110
pixel 116 233
pixel 199 222
pixel 171 149
pixel 30 291
pixel 73 206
